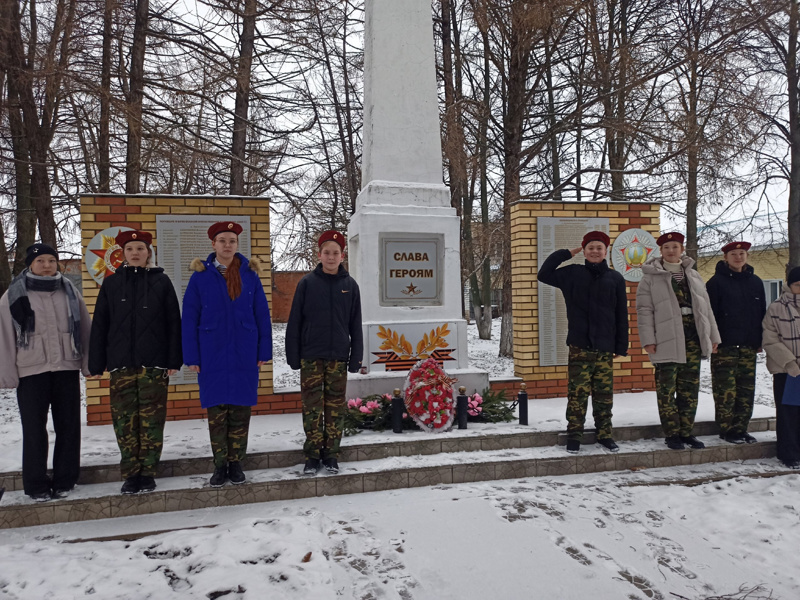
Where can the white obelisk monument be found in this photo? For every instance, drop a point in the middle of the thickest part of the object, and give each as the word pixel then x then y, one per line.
pixel 404 244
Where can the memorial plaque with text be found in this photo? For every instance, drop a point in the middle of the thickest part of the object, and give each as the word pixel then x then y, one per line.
pixel 411 269
pixel 553 234
pixel 181 239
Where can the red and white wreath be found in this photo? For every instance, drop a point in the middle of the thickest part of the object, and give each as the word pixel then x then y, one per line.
pixel 429 396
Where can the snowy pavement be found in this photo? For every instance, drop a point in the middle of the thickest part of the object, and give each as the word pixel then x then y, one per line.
pixel 601 536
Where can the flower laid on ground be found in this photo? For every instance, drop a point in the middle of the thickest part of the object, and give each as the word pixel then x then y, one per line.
pixel 474 405
pixel 429 396
pixel 491 407
pixel 373 412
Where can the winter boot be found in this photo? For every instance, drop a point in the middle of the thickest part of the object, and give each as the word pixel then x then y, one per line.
pixel 608 444
pixel 312 466
pixel 692 442
pixel 146 484
pixel 235 473
pixel 749 439
pixel 573 446
pixel 674 442
pixel 218 478
pixel 331 465
pixel 131 485
pixel 733 438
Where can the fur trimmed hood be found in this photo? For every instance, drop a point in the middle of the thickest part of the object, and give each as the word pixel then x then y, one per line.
pixel 198 264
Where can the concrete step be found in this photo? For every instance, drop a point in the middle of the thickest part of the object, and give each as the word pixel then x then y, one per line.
pixel 388 445
pixel 179 493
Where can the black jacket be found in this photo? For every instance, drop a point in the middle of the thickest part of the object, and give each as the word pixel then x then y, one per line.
pixel 739 304
pixel 136 323
pixel 597 302
pixel 325 320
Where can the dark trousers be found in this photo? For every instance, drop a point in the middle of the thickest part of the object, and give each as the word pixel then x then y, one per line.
pixel 787 423
pixel 59 392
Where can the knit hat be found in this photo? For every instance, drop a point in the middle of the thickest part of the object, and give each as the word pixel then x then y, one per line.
pixel 673 236
pixel 794 276
pixel 596 236
pixel 331 236
pixel 222 227
pixel 123 237
pixel 38 250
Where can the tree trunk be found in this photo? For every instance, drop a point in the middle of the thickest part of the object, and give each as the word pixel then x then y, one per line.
pixel 242 103
pixel 104 137
pixel 793 80
pixel 135 97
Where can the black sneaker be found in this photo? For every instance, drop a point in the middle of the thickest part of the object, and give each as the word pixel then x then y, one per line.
pixel 146 484
pixel 734 438
pixel 131 485
pixel 235 473
pixel 748 439
pixel 60 493
pixel 312 466
pixel 792 464
pixel 573 446
pixel 219 477
pixel 608 444
pixel 42 497
pixel 692 442
pixel 674 442
pixel 331 465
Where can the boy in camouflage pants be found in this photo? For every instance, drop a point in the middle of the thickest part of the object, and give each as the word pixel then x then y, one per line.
pixel 324 341
pixel 597 314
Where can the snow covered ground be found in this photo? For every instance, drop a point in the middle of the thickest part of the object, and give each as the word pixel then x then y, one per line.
pixel 601 536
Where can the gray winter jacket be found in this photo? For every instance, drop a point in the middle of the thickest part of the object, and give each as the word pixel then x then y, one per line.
pixel 660 320
pixel 50 348
pixel 779 337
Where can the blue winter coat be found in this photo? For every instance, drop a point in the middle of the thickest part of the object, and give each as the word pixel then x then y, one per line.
pixel 226 338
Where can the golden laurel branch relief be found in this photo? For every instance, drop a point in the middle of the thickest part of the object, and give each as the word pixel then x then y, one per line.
pixel 398 344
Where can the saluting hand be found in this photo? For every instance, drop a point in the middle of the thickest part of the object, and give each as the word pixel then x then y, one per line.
pixel 577 250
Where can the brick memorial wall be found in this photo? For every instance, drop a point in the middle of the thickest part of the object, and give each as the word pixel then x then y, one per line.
pixel 633 372
pixel 101 212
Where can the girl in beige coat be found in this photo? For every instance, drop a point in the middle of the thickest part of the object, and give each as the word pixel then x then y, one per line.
pixel 676 328
pixel 782 344
pixel 44 338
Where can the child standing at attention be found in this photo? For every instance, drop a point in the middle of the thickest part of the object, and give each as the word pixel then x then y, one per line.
pixel 324 340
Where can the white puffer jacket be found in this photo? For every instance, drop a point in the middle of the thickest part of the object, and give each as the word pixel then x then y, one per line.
pixel 660 320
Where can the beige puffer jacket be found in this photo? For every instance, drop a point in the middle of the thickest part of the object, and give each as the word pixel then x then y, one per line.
pixel 50 347
pixel 780 357
pixel 660 320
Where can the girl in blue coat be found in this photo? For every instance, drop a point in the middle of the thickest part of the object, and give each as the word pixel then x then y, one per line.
pixel 227 336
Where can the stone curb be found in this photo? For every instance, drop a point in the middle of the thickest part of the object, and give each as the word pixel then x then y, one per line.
pixel 160 501
pixel 441 443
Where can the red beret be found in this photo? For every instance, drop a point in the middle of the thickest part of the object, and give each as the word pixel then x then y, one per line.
pixel 672 236
pixel 735 246
pixel 123 237
pixel 596 236
pixel 222 227
pixel 331 236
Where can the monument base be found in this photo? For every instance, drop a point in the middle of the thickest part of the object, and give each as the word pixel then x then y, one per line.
pixel 384 382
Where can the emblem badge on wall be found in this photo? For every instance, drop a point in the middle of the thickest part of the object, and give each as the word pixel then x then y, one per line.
pixel 630 251
pixel 103 256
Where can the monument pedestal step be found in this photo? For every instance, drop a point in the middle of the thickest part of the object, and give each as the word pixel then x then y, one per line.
pixel 180 493
pixel 391 445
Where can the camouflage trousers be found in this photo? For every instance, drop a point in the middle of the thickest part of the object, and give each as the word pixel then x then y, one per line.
pixel 677 387
pixel 590 372
pixel 228 428
pixel 733 377
pixel 139 411
pixel 323 385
